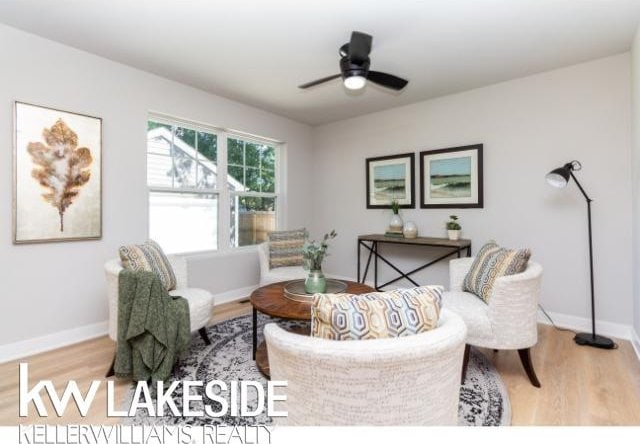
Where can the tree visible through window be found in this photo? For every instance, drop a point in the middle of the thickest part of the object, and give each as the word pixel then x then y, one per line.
pixel 253 209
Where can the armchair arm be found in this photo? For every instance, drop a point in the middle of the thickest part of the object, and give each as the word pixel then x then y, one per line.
pixel 263 256
pixel 180 270
pixel 112 270
pixel 513 308
pixel 458 269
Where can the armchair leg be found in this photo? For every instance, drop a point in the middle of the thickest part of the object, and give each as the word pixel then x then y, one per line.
pixel 111 370
pixel 525 357
pixel 465 362
pixel 204 336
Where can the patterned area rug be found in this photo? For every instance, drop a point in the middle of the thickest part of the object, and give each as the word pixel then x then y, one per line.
pixel 483 397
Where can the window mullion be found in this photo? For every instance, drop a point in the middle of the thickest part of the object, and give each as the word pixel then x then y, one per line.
pixel 278 183
pixel 244 164
pixel 173 160
pixel 224 201
pixel 197 157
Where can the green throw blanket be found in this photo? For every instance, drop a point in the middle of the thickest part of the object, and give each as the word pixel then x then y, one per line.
pixel 153 327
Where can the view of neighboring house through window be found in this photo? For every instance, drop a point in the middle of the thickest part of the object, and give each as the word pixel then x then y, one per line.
pixel 189 209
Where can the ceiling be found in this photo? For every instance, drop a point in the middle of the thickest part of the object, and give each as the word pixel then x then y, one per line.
pixel 257 52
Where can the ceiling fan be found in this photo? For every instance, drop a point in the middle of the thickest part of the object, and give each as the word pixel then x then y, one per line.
pixel 354 66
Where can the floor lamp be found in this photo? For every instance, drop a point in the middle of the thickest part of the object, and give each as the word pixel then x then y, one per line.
pixel 559 178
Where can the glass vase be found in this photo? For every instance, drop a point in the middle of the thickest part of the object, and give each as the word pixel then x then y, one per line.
pixel 315 282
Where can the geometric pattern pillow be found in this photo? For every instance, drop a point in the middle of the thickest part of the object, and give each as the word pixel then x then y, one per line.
pixel 149 257
pixel 490 263
pixel 285 248
pixel 388 314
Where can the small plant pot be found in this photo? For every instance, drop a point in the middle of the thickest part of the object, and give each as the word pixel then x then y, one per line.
pixel 453 234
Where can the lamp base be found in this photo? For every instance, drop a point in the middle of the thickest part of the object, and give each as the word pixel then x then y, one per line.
pixel 594 341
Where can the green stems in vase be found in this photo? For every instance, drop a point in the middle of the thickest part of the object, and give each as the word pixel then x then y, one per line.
pixel 314 254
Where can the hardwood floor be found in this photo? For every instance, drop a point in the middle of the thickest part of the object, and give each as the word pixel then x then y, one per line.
pixel 580 385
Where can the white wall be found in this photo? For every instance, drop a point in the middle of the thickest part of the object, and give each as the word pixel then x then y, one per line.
pixel 47 288
pixel 635 154
pixel 528 127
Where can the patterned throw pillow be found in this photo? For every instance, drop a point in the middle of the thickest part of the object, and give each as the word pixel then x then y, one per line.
pixel 285 248
pixel 149 257
pixel 376 315
pixel 492 262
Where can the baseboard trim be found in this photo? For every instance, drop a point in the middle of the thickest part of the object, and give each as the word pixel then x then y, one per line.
pixel 233 295
pixel 635 342
pixel 33 346
pixel 28 347
pixel 606 328
pixel 614 329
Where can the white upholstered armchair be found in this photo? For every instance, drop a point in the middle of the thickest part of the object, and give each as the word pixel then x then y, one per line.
pixel 271 275
pixel 200 301
pixel 412 380
pixel 508 321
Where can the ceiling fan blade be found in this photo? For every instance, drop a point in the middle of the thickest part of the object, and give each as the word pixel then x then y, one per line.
pixel 319 81
pixel 359 47
pixel 387 80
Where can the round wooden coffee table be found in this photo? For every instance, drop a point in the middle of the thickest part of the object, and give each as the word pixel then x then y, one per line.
pixel 271 301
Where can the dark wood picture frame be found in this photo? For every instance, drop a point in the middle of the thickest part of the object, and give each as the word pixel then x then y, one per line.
pixel 409 182
pixel 476 177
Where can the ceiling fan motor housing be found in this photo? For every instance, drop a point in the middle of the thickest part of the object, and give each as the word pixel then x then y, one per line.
pixel 349 69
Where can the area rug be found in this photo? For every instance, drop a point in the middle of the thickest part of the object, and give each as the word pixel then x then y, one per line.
pixel 483 397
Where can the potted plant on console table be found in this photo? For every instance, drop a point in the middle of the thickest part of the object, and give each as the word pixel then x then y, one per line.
pixel 313 255
pixel 453 227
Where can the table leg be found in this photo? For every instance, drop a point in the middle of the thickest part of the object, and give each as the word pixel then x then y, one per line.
pixel 255 332
pixel 366 267
pixel 358 260
pixel 375 265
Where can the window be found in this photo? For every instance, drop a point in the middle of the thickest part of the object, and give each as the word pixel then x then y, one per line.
pixel 189 208
pixel 253 204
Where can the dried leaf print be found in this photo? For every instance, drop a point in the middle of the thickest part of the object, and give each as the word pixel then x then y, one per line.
pixel 61 167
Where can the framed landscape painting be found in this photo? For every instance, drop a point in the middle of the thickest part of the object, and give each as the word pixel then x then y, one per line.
pixel 57 175
pixel 389 178
pixel 451 177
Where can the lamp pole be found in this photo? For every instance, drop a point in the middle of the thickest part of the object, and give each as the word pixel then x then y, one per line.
pixel 592 339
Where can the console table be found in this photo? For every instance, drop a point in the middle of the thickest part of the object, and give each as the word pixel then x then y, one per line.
pixel 372 241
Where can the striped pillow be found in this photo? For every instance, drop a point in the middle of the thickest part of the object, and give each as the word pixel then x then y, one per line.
pixel 285 248
pixel 492 262
pixel 149 257
pixel 390 314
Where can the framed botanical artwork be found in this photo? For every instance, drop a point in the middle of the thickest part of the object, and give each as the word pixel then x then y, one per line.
pixel 389 178
pixel 57 175
pixel 451 177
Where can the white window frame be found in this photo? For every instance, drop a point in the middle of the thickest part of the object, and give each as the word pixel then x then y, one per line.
pixel 221 191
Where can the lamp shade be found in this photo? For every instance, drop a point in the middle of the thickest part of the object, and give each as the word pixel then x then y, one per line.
pixel 559 177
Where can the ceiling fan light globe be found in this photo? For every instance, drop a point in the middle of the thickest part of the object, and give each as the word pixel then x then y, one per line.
pixel 355 82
